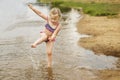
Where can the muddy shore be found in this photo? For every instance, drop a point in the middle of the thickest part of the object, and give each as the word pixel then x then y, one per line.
pixel 104 39
pixel 105 34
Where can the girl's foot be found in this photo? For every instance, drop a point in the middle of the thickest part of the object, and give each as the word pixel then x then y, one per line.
pixel 33 46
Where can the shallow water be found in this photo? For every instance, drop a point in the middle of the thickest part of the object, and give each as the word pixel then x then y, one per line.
pixel 19 27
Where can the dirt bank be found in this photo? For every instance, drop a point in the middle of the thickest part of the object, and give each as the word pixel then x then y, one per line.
pixel 105 34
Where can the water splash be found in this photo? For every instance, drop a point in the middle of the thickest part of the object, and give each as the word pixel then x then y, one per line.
pixel 35 63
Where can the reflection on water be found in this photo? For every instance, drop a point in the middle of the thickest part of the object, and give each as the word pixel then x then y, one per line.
pixel 50 74
pixel 40 74
pixel 17 59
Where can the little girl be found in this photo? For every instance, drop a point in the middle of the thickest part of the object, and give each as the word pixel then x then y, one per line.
pixel 51 30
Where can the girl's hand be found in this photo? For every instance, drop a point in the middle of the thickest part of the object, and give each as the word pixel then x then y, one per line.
pixel 30 5
pixel 52 38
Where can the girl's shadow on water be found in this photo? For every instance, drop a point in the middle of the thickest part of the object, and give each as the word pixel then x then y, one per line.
pixel 50 73
pixel 42 73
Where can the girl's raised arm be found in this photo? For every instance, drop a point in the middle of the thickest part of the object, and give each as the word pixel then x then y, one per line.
pixel 37 12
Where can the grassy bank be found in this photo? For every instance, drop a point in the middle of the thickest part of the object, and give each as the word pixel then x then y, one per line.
pixel 92 8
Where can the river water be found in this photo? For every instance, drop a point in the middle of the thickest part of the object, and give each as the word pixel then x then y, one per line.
pixel 19 27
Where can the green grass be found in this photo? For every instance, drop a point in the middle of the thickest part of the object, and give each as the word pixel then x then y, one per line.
pixel 94 9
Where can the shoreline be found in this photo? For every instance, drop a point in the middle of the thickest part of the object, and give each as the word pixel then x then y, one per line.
pixel 105 34
pixel 105 39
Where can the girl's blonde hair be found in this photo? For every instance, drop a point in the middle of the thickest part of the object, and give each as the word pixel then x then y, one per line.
pixel 55 14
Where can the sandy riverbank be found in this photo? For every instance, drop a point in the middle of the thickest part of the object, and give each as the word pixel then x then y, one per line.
pixel 105 39
pixel 105 34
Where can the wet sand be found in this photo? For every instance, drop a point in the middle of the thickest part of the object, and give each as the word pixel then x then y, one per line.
pixel 105 34
pixel 18 61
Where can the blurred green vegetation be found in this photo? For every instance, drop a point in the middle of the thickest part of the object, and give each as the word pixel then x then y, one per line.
pixel 92 8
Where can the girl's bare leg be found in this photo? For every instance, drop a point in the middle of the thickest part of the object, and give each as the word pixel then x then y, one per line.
pixel 49 45
pixel 40 40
